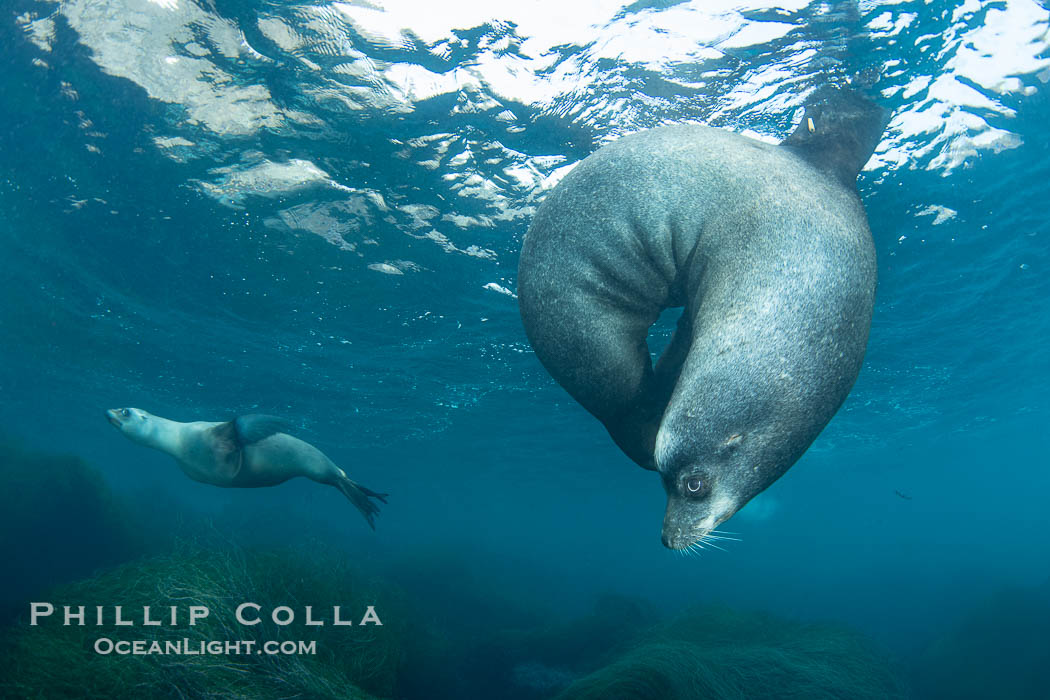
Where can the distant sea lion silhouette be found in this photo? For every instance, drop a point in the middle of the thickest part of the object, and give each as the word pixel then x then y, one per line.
pixel 768 250
pixel 248 452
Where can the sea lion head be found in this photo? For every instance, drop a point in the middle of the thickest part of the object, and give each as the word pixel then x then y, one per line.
pixel 135 423
pixel 716 455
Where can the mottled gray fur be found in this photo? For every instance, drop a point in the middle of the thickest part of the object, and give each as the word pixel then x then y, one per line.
pixel 768 250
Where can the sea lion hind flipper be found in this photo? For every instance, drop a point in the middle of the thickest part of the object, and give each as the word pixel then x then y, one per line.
pixel 254 427
pixel 359 496
pixel 374 494
pixel 669 366
pixel 840 130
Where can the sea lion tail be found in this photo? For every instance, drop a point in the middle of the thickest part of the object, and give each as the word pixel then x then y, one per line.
pixel 839 131
pixel 360 497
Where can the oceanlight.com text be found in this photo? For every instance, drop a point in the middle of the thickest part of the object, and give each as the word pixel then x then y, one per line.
pixel 187 647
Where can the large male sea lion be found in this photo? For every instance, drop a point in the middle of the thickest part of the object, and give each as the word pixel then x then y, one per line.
pixel 250 451
pixel 768 250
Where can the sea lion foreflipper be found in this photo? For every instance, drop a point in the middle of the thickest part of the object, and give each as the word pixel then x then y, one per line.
pixel 232 437
pixel 598 353
pixel 228 451
pixel 254 427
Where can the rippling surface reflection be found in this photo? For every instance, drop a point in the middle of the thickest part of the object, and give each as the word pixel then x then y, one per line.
pixel 372 168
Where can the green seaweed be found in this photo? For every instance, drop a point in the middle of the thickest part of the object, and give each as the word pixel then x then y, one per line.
pixel 51 660
pixel 728 654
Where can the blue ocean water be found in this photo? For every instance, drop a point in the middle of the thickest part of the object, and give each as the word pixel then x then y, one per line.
pixel 315 210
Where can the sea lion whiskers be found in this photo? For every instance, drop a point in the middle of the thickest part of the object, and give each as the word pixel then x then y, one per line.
pixel 704 540
pixel 707 540
pixel 719 535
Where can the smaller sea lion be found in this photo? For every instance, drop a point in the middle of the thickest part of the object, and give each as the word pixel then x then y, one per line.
pixel 247 452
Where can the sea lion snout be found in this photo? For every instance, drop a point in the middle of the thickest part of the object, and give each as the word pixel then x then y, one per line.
pixel 121 419
pixel 676 538
pixel 679 533
pixel 689 522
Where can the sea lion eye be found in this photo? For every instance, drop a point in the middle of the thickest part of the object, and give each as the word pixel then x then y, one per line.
pixel 125 412
pixel 694 485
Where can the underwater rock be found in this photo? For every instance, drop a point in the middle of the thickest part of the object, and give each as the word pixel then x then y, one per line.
pixel 584 643
pixel 540 656
pixel 999 650
pixel 727 654
pixel 56 660
pixel 58 521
